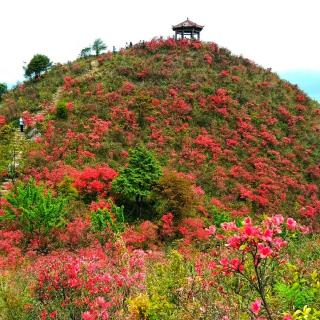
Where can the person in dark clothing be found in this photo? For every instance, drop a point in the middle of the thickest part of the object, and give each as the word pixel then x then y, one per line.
pixel 21 123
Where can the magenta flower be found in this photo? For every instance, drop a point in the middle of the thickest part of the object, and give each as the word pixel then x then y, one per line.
pixel 255 306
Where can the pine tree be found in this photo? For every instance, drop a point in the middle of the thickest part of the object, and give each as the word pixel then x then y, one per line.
pixel 138 178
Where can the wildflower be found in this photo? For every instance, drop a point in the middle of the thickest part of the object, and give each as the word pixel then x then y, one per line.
pixel 255 306
pixel 264 251
pixel 291 224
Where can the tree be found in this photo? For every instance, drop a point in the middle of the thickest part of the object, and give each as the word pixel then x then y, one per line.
pixel 98 46
pixel 138 178
pixel 38 64
pixel 3 89
pixel 85 52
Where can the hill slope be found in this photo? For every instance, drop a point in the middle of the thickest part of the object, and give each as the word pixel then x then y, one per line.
pixel 247 138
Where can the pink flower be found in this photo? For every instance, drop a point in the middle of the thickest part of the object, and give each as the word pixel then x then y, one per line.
pixel 247 221
pixel 211 230
pixel 264 251
pixel 88 316
pixel 236 265
pixel 287 317
pixel 267 235
pixel 277 219
pixel 224 262
pixel 255 306
pixel 291 224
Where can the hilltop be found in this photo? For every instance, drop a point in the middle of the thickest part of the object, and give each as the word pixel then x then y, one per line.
pixel 170 180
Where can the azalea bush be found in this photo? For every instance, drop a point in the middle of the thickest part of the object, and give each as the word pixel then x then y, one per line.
pixel 92 284
pixel 255 252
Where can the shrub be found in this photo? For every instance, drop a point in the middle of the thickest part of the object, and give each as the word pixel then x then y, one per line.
pixel 174 193
pixel 306 314
pixel 62 111
pixel 35 209
pixel 112 219
pixel 164 283
pixel 299 290
pixel 3 90
pixel 92 182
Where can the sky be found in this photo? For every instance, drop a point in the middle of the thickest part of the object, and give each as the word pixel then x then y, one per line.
pixel 278 34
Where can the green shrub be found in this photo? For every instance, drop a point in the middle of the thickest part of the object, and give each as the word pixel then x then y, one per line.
pixel 104 218
pixel 62 111
pixel 300 290
pixel 36 210
pixel 164 283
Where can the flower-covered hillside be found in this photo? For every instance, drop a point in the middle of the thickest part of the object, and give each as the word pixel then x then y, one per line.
pixel 247 139
pixel 171 180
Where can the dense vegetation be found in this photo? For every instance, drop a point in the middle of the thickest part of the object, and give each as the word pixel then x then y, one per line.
pixel 171 180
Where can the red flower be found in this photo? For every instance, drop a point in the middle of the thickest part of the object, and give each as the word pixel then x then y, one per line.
pixel 2 120
pixel 256 306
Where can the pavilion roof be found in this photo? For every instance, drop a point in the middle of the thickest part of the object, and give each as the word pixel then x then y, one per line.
pixel 187 24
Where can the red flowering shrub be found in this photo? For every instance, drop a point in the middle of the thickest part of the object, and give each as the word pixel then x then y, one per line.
pixel 91 284
pixel 10 252
pixel 94 181
pixel 256 249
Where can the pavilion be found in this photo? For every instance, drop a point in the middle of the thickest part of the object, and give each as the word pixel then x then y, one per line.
pixel 187 29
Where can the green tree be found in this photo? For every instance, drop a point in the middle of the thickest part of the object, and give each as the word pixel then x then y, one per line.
pixel 85 52
pixel 38 64
pixel 3 89
pixel 139 177
pixel 98 46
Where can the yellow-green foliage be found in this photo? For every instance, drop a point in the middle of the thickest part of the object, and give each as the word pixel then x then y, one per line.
pixel 164 284
pixel 14 298
pixel 299 290
pixel 175 194
pixel 307 314
pixel 139 307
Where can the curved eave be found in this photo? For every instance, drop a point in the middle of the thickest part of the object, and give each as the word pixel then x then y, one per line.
pixel 198 28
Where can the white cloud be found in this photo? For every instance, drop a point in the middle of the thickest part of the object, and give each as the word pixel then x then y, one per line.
pixel 281 34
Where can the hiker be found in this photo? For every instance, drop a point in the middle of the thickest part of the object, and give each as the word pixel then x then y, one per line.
pixel 21 123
